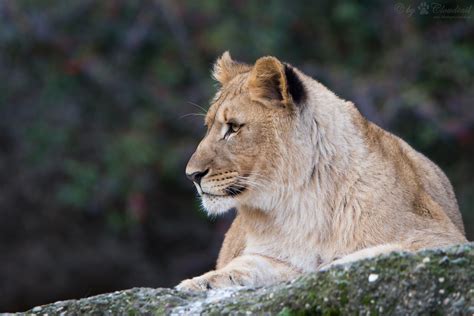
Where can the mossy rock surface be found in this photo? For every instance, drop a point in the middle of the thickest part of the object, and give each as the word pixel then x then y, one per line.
pixel 438 282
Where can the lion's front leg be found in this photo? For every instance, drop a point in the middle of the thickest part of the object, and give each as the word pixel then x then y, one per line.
pixel 247 270
pixel 364 254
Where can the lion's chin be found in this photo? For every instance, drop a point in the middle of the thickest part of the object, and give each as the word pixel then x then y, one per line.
pixel 216 205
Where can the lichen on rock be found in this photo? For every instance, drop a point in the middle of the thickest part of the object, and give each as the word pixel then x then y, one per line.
pixel 437 281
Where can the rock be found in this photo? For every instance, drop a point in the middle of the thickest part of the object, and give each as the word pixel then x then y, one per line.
pixel 429 282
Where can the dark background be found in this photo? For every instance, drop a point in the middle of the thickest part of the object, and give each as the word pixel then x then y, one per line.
pixel 94 135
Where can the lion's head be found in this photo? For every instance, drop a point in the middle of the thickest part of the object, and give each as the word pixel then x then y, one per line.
pixel 249 138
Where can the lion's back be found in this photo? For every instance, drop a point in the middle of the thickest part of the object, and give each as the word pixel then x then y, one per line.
pixel 430 188
pixel 437 185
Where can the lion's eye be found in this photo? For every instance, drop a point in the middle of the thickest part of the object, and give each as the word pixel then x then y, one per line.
pixel 232 128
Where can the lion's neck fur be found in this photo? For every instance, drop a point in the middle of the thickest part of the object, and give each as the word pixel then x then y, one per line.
pixel 312 203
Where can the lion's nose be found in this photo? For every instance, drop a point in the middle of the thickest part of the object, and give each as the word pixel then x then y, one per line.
pixel 197 176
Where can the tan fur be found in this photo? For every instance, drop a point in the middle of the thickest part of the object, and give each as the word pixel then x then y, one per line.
pixel 323 185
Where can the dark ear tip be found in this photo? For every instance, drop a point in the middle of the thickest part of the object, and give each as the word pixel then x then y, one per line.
pixel 295 85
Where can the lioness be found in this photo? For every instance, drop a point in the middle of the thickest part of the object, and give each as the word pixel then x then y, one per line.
pixel 314 183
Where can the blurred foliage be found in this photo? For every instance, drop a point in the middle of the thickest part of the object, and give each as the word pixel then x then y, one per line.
pixel 95 131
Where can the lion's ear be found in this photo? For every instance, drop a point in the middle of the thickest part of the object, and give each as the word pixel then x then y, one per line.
pixel 225 69
pixel 270 79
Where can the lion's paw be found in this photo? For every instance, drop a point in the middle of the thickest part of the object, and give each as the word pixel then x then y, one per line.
pixel 191 285
pixel 208 281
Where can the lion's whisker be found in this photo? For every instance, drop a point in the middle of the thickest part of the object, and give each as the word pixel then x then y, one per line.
pixel 254 184
pixel 191 114
pixel 198 106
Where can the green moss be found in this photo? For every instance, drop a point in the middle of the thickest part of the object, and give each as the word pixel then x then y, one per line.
pixel 366 300
pixel 286 312
pixel 332 312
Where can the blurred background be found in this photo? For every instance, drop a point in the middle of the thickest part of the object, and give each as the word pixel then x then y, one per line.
pixel 95 131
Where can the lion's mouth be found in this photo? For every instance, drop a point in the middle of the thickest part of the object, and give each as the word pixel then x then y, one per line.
pixel 213 195
pixel 235 189
pixel 231 191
